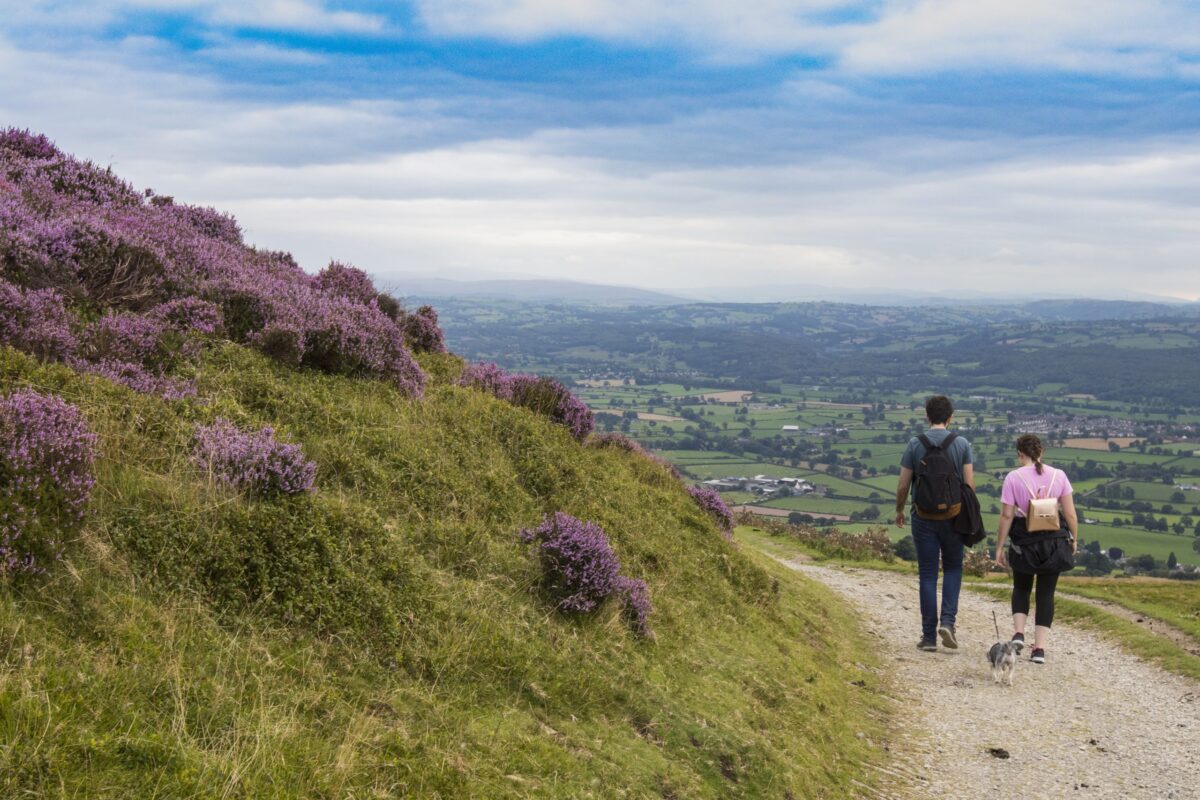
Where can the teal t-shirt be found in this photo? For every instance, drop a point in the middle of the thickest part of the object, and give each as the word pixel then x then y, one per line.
pixel 960 449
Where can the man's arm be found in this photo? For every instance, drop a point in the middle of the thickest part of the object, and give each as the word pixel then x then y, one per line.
pixel 906 476
pixel 969 475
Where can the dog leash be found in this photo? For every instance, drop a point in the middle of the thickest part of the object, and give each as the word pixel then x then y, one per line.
pixel 996 623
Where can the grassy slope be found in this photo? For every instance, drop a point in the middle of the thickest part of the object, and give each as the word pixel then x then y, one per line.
pixel 1176 602
pixel 385 635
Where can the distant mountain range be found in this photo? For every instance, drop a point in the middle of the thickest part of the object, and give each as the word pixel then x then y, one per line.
pixel 537 291
pixel 542 291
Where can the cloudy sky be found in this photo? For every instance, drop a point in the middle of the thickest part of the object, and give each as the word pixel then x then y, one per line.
pixel 1005 147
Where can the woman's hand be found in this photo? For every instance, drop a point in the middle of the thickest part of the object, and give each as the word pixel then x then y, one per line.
pixel 1001 557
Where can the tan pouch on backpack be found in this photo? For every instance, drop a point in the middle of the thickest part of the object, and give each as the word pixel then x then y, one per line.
pixel 1042 514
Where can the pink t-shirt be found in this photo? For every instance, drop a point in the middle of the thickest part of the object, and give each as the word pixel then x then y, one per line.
pixel 1015 492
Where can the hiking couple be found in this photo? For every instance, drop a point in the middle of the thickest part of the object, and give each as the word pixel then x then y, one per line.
pixel 939 466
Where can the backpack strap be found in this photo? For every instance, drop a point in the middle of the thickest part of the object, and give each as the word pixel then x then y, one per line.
pixel 929 445
pixel 1033 494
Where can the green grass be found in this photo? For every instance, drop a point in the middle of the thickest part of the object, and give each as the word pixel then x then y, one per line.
pixel 386 636
pixel 1176 602
pixel 1136 639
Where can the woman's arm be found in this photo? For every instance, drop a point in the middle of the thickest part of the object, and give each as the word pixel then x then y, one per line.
pixel 1007 511
pixel 1067 501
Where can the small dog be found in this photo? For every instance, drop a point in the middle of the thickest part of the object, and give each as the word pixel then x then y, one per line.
pixel 1003 658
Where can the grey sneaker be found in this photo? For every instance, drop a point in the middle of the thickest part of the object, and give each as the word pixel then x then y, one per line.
pixel 927 644
pixel 948 637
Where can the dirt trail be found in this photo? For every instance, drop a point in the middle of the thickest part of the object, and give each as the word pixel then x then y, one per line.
pixel 1094 722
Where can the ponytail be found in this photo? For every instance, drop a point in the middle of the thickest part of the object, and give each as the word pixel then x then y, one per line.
pixel 1031 446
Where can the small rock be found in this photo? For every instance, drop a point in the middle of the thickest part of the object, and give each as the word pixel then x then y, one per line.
pixel 998 752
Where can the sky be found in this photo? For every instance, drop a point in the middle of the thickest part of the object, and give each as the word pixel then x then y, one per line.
pixel 956 147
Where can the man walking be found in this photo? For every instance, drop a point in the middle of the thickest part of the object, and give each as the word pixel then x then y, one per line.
pixel 940 462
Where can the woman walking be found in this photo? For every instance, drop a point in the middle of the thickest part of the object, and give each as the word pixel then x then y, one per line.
pixel 1041 547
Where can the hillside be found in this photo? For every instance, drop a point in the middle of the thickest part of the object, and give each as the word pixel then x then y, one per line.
pixel 379 628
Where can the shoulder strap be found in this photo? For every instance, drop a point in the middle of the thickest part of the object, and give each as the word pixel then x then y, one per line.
pixel 923 439
pixel 1033 495
pixel 1021 478
pixel 950 437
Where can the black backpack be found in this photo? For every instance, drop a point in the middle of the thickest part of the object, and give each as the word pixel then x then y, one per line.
pixel 938 489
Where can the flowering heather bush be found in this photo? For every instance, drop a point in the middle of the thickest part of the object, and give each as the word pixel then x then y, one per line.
pixel 488 377
pixel 346 281
pixel 544 396
pixel 35 146
pixel 255 462
pixel 46 454
pixel 35 322
pixel 421 331
pixel 550 398
pixel 712 504
pixel 635 604
pixel 579 568
pixel 189 315
pixel 133 375
pixel 71 226
pixel 123 337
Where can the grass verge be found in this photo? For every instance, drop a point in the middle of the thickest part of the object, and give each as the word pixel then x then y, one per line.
pixel 1137 640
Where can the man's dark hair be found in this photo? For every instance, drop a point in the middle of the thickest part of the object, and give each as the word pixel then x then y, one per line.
pixel 939 409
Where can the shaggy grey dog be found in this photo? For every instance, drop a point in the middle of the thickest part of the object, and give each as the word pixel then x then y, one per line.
pixel 1003 658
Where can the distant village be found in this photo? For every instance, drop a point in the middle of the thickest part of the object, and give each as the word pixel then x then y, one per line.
pixel 765 486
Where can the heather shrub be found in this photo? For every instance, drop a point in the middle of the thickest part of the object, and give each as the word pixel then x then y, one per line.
pixel 211 223
pixel 254 462
pixel 124 337
pixel 46 454
pixel 27 144
pixel 347 338
pixel 978 563
pixel 579 568
pixel 712 504
pixel 35 322
pixel 345 281
pixel 489 378
pixel 189 315
pixel 135 376
pixel 421 331
pixel 71 226
pixel 551 399
pixel 635 605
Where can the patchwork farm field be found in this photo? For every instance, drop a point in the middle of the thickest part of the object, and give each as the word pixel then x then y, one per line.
pixel 850 451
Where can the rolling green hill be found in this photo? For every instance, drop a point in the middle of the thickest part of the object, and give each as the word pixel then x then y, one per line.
pixel 386 635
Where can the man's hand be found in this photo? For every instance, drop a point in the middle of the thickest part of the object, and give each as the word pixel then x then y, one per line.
pixel 900 519
pixel 1001 558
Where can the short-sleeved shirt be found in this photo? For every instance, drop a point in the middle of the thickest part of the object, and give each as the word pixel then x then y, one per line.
pixel 960 450
pixel 1051 483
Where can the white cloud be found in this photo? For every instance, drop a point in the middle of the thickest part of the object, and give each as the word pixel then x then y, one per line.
pixel 282 15
pixel 1112 36
pixel 346 179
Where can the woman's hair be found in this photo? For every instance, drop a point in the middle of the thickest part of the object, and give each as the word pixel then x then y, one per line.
pixel 1030 445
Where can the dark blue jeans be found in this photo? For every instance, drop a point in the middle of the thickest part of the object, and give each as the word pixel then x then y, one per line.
pixel 934 539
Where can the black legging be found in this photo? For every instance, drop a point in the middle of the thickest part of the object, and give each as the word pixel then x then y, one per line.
pixel 1023 585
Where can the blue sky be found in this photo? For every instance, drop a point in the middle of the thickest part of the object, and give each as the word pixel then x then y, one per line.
pixel 952 146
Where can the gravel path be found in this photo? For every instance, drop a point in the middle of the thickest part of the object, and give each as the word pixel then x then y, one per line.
pixel 1094 722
